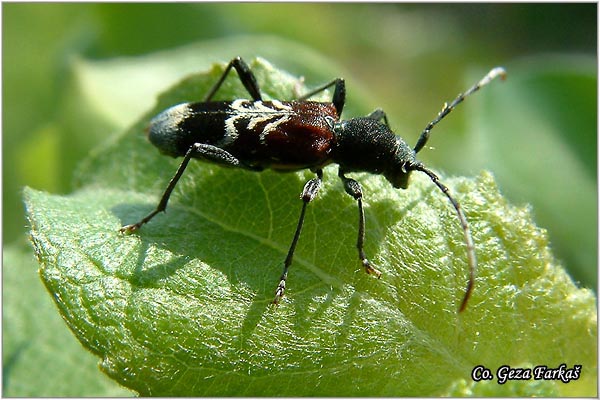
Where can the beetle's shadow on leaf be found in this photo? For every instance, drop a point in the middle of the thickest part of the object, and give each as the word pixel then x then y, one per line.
pixel 144 277
pixel 206 224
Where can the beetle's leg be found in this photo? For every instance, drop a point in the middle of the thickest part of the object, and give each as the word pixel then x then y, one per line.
pixel 379 115
pixel 353 188
pixel 246 77
pixel 311 188
pixel 339 94
pixel 447 108
pixel 215 155
pixel 205 151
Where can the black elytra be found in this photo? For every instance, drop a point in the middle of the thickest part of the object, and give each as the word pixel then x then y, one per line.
pixel 298 134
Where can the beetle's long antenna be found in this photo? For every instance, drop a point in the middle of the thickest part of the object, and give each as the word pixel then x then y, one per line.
pixel 467 232
pixel 498 71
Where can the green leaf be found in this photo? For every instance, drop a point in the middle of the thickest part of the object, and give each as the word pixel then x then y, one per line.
pixel 545 151
pixel 183 306
pixel 36 342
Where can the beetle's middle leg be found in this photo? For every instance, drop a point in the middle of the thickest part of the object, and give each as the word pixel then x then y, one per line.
pixel 339 93
pixel 311 188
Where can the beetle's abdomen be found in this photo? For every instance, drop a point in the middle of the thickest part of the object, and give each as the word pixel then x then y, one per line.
pixel 267 134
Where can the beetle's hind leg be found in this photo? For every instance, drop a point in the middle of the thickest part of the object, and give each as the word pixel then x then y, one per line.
pixel 198 150
pixel 246 77
pixel 311 188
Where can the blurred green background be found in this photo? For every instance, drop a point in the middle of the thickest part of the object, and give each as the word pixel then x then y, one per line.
pixel 405 58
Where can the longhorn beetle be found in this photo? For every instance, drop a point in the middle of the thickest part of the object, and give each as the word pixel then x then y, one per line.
pixel 298 134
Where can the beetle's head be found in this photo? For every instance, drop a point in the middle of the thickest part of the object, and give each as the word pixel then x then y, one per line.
pixel 399 170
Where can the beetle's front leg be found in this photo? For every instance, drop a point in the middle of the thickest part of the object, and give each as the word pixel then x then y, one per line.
pixel 353 188
pixel 311 188
pixel 379 115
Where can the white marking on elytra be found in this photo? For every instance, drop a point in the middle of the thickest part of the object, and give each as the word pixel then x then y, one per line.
pixel 168 121
pixel 256 112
